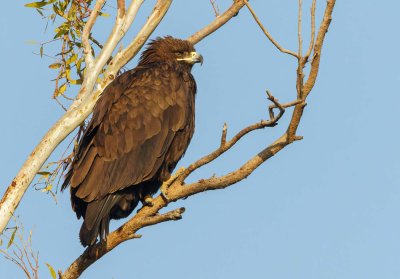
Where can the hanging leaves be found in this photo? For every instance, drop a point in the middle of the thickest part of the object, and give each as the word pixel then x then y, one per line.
pixel 11 241
pixel 52 271
pixel 69 18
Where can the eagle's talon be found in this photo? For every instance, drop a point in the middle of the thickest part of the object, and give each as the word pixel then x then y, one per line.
pixel 148 201
pixel 164 191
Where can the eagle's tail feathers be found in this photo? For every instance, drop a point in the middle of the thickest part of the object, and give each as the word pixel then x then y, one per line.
pixel 97 220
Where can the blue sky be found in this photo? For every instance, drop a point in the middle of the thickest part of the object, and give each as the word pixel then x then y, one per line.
pixel 325 207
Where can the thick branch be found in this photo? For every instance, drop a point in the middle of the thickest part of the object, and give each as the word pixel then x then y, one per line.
pixel 307 87
pixel 318 46
pixel 122 23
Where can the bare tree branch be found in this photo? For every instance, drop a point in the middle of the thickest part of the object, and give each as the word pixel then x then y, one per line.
pixel 318 46
pixel 215 7
pixel 310 47
pixel 218 22
pixel 272 40
pixel 300 13
pixel 86 33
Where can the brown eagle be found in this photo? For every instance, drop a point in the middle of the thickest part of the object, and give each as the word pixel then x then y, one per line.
pixel 140 128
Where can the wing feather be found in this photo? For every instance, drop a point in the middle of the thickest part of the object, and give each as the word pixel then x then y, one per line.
pixel 133 129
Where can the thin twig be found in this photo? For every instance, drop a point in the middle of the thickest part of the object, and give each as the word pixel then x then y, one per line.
pixel 312 39
pixel 223 136
pixel 272 40
pixel 86 33
pixel 215 7
pixel 232 11
pixel 285 105
pixel 299 18
pixel 301 61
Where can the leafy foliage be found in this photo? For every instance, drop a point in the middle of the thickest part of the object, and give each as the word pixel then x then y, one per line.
pixel 69 18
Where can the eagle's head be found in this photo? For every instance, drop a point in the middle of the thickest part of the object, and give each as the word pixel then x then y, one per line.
pixel 170 49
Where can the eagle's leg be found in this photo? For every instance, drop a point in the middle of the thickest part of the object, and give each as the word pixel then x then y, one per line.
pixel 148 200
pixel 168 182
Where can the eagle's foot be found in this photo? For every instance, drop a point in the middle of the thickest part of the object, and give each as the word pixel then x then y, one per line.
pixel 171 179
pixel 148 200
pixel 164 192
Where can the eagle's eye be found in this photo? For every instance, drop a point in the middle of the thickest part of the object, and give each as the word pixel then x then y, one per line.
pixel 179 53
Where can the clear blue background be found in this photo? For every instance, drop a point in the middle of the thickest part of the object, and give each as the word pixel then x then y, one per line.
pixel 325 207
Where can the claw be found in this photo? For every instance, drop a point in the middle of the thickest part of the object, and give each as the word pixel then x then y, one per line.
pixel 148 200
pixel 164 191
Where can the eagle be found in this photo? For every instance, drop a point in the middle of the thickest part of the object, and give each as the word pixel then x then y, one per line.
pixel 141 126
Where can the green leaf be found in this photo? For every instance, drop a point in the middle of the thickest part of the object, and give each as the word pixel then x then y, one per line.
pixel 55 65
pixel 52 271
pixel 57 11
pixel 40 12
pixel 43 173
pixel 62 89
pixel 61 30
pixel 104 14
pixel 72 59
pixel 48 188
pixel 11 241
pixel 36 5
pixel 41 51
pixel 75 81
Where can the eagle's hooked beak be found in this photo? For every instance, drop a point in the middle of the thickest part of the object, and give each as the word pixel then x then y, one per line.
pixel 192 58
